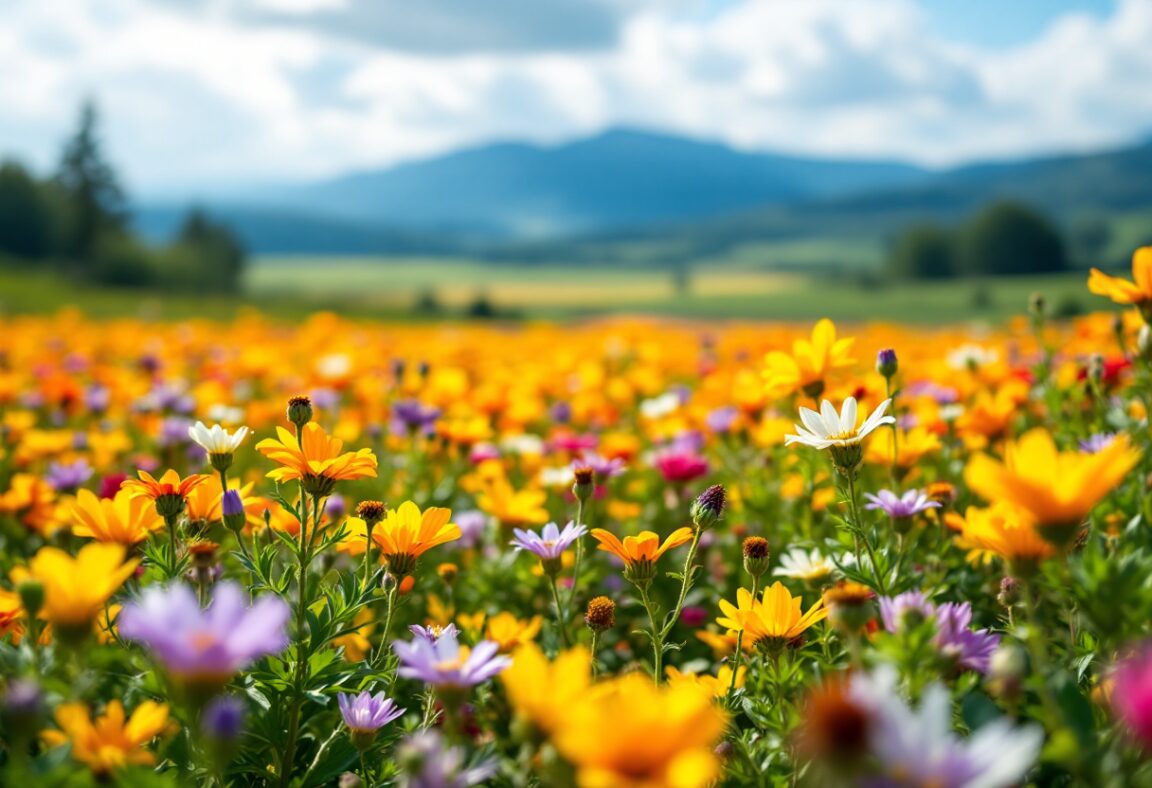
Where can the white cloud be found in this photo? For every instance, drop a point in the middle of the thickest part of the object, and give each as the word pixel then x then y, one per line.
pixel 208 96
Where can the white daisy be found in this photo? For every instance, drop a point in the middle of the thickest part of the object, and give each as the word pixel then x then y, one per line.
pixel 659 407
pixel 806 566
pixel 829 428
pixel 217 440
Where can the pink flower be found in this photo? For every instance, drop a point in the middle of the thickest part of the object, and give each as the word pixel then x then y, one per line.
pixel 1132 693
pixel 681 466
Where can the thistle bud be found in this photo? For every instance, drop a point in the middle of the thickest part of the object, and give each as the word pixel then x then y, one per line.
pixel 756 555
pixel 233 507
pixel 299 410
pixel 31 593
pixel 886 363
pixel 1009 595
pixel 601 614
pixel 708 506
pixel 585 483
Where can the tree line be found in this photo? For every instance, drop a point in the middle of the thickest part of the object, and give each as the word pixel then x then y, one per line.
pixel 77 221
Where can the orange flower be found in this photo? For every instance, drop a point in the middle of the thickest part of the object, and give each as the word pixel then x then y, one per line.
pixel 640 553
pixel 407 533
pixel 315 460
pixel 109 742
pixel 1122 291
pixel 170 484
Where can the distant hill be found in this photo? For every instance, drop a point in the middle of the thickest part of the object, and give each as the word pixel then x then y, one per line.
pixel 520 201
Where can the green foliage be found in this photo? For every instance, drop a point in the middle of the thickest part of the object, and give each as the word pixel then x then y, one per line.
pixel 1009 238
pixel 94 202
pixel 924 251
pixel 26 222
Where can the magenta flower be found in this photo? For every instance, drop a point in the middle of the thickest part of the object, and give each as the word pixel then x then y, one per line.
pixel 1132 693
pixel 205 646
pixel 550 543
pixel 900 507
pixel 681 466
pixel 367 713
pixel 444 664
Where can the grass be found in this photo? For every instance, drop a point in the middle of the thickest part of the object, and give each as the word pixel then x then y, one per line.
pixel 389 289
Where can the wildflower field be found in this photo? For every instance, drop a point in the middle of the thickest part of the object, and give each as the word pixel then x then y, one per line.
pixel 616 553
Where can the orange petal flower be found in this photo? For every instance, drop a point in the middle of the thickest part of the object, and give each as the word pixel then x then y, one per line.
pixel 645 546
pixel 168 484
pixel 1122 291
pixel 316 459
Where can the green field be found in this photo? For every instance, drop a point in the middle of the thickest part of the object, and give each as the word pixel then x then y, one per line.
pixel 424 289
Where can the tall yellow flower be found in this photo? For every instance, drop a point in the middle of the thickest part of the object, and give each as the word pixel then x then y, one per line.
pixel 513 507
pixel 316 460
pixel 716 685
pixel 1000 530
pixel 1122 291
pixel 125 519
pixel 630 733
pixel 810 364
pixel 772 620
pixel 108 742
pixel 75 589
pixel 640 553
pixel 1056 489
pixel 566 679
pixel 30 500
pixel 406 533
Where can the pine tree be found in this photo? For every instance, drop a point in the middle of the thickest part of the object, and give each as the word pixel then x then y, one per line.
pixel 95 202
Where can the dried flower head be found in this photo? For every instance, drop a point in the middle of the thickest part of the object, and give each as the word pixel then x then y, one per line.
pixel 601 614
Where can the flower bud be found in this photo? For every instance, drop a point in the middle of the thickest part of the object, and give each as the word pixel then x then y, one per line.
pixel 1009 594
pixel 222 720
pixel 371 512
pixel 601 614
pixel 1037 305
pixel 350 780
pixel 448 572
pixel 849 605
pixel 708 506
pixel 299 410
pixel 756 555
pixel 23 711
pixel 585 483
pixel 886 363
pixel 233 508
pixel 1007 669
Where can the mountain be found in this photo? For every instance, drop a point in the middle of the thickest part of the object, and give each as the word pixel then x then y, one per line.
pixel 616 179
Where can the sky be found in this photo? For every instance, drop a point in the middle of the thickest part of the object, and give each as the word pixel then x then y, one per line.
pixel 207 94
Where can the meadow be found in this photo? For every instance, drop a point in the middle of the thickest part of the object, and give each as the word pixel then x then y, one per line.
pixel 314 549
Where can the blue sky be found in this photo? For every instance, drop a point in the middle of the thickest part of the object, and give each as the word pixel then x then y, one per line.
pixel 202 94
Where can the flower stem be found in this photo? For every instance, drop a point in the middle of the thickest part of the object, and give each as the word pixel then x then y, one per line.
pixel 858 523
pixel 579 553
pixel 740 644
pixel 685 584
pixel 657 635
pixel 561 618
pixel 303 557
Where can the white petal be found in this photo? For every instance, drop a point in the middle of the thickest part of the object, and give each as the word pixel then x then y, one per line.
pixel 848 416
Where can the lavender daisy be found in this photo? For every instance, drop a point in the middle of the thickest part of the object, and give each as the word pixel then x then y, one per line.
pixel 445 664
pixel 68 476
pixel 432 632
pixel 954 639
pixel 205 647
pixel 364 714
pixel 427 762
pixel 902 507
pixel 550 543
pixel 410 417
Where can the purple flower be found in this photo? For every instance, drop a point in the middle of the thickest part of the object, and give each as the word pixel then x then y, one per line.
pixel 444 664
pixel 550 543
pixel 432 633
pixel 561 412
pixel 602 467
pixel 428 763
pixel 97 398
pixel 472 524
pixel 174 432
pixel 410 417
pixel 223 718
pixel 886 363
pixel 67 477
pixel 1097 442
pixel 954 637
pixel 972 649
pixel 910 504
pixel 367 713
pixel 722 419
pixel 336 507
pixel 210 645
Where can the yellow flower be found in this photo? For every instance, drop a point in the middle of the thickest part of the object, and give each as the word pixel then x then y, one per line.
pixel 772 620
pixel 509 632
pixel 206 502
pixel 810 363
pixel 108 742
pixel 630 733
pixel 315 460
pixel 75 589
pixel 566 678
pixel 513 507
pixel 723 644
pixel 717 685
pixel 30 499
pixel 1057 489
pixel 911 447
pixel 125 519
pixel 406 533
pixel 11 615
pixel 1000 530
pixel 1122 291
